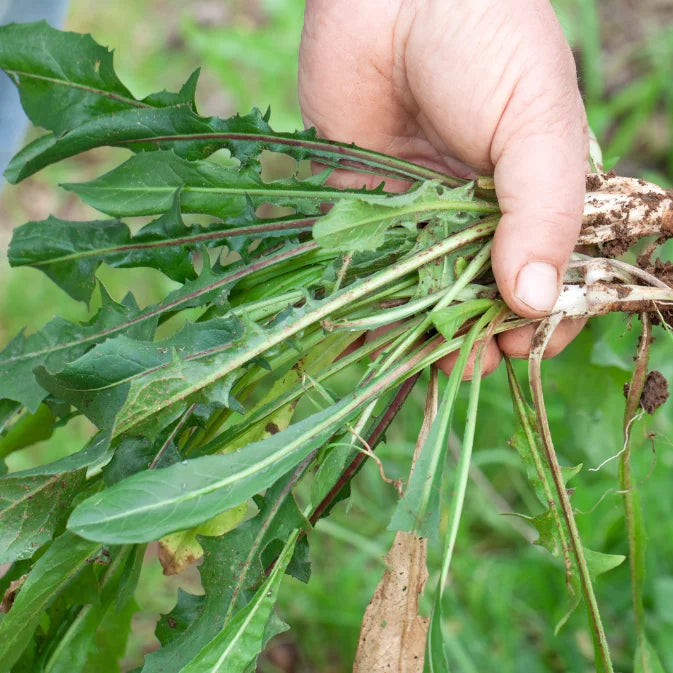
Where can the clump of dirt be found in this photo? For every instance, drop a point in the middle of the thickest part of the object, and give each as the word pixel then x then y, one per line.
pixel 594 182
pixel 655 391
pixel 620 243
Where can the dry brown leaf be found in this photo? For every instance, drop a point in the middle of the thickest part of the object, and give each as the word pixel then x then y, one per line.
pixel 393 634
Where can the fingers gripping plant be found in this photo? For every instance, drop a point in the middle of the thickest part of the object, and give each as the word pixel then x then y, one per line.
pixel 197 424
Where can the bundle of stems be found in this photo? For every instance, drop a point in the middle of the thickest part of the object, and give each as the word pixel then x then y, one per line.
pixel 194 397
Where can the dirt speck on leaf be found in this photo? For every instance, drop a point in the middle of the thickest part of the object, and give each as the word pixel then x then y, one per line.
pixel 393 634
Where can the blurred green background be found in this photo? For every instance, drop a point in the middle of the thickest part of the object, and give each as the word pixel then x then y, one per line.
pixel 506 594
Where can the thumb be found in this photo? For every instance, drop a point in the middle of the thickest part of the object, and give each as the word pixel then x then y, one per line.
pixel 539 157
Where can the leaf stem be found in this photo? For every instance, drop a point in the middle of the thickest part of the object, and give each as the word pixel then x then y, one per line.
pixel 635 526
pixel 540 341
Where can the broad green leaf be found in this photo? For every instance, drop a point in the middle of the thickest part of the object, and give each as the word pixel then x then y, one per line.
pixel 178 551
pixel 60 565
pixel 232 568
pixel 153 503
pixel 146 185
pixel 32 509
pixel 65 79
pixel 242 638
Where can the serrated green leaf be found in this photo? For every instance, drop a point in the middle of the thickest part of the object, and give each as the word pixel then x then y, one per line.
pixel 146 184
pixel 65 79
pixel 178 128
pixel 32 508
pixel 361 223
pixel 61 341
pixel 241 641
pixel 551 525
pixel 186 611
pixel 61 563
pixel 98 383
pixel 71 252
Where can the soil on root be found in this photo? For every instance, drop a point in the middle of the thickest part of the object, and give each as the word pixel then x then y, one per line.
pixel 655 391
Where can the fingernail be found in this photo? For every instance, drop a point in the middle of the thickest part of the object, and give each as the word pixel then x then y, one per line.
pixel 537 286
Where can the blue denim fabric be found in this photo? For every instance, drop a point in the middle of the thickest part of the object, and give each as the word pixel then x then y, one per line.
pixel 12 120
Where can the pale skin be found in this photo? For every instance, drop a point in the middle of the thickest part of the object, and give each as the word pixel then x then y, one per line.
pixel 469 87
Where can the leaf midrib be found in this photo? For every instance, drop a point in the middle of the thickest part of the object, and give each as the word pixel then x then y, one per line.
pixel 183 240
pixel 83 87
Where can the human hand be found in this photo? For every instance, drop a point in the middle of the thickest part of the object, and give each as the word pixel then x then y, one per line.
pixel 466 87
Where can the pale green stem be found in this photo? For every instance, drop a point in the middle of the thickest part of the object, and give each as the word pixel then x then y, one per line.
pixel 463 467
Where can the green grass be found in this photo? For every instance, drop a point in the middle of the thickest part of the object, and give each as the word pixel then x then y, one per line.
pixel 505 595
